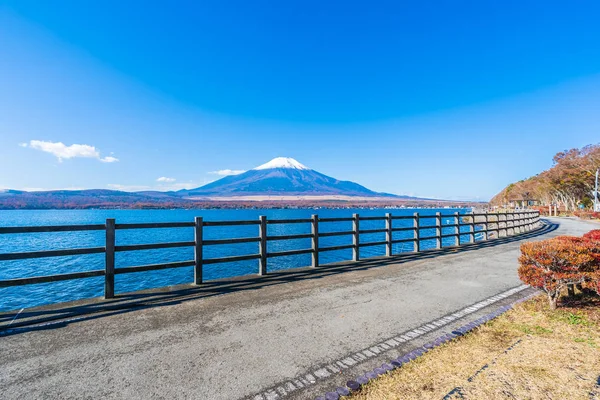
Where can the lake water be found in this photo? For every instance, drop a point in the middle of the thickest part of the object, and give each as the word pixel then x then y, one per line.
pixel 33 295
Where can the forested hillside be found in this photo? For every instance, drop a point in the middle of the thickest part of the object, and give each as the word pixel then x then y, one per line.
pixel 568 183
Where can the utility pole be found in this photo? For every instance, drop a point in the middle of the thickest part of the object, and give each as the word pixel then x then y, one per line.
pixel 596 203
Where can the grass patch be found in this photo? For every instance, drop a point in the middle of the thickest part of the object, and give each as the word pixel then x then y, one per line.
pixel 530 352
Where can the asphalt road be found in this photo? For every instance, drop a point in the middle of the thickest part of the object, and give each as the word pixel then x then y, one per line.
pixel 236 344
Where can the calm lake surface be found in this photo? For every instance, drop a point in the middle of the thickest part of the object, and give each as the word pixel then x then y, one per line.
pixel 34 295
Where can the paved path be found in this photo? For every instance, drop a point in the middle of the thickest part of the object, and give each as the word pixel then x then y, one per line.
pixel 241 343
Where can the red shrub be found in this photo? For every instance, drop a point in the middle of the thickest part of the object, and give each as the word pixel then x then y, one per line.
pixel 593 235
pixel 553 264
pixel 587 214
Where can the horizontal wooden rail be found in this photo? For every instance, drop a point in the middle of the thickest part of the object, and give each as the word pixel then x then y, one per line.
pixel 57 228
pixel 429 237
pixel 397 217
pixel 479 227
pixel 446 235
pixel 230 241
pixel 367 244
pixel 50 278
pixel 408 228
pixel 231 259
pixel 335 219
pixel 290 237
pixel 341 247
pixel 230 223
pixel 289 253
pixel 155 225
pixel 289 221
pixel 50 253
pixel 405 240
pixel 153 246
pixel 154 267
pixel 365 231
pixel 342 233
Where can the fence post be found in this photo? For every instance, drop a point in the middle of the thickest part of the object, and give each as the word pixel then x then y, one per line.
pixel 109 266
pixel 315 240
pixel 438 230
pixel 198 256
pixel 416 233
pixel 499 226
pixel 472 228
pixel 262 263
pixel 388 234
pixel 457 229
pixel 520 222
pixel 355 237
pixel 520 217
pixel 514 229
pixel 514 224
pixel 486 226
pixel 497 230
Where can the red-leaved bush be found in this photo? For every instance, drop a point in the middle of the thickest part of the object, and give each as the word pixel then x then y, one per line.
pixel 587 214
pixel 593 235
pixel 553 264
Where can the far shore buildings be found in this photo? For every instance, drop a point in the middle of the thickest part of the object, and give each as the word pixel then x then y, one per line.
pixel 522 203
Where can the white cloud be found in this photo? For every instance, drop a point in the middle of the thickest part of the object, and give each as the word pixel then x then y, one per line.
pixel 62 151
pixel 227 172
pixel 165 179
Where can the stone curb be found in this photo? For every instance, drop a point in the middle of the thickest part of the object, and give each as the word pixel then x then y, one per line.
pixel 306 380
pixel 354 385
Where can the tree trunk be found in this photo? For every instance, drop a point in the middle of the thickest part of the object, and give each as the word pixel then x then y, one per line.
pixel 553 299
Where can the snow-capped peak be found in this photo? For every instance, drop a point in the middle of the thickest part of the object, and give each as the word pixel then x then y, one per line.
pixel 283 162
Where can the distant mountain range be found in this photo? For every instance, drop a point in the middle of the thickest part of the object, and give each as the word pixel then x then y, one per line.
pixel 280 179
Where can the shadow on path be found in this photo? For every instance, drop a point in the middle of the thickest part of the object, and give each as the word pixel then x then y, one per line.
pixel 60 315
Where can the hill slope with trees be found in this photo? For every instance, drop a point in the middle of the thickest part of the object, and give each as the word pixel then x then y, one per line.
pixel 568 183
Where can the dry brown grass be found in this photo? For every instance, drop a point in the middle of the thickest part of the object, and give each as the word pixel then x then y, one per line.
pixel 530 353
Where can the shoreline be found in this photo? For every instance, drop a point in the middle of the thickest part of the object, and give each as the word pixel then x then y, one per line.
pixel 251 204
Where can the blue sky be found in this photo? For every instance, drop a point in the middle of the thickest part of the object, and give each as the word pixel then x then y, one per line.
pixel 441 99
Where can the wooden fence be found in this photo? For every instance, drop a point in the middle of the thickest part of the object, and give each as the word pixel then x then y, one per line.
pixel 491 226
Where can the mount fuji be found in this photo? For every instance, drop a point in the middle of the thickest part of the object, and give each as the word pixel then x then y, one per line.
pixel 282 176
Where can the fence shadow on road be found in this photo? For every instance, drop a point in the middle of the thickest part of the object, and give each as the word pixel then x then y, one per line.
pixel 60 315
